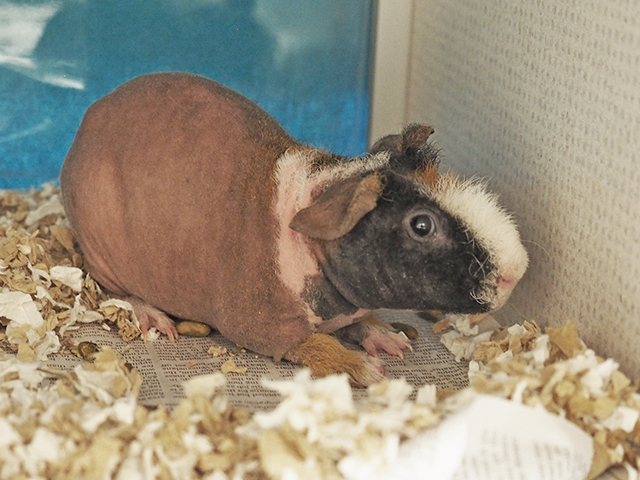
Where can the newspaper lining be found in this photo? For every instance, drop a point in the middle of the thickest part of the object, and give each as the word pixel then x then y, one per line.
pixel 165 366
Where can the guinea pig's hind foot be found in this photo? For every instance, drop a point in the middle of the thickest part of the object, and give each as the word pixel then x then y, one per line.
pixel 324 355
pixel 374 334
pixel 149 316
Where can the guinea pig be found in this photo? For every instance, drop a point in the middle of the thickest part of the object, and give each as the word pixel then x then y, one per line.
pixel 188 199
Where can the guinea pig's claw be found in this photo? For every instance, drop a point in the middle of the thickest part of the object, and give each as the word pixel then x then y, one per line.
pixel 171 332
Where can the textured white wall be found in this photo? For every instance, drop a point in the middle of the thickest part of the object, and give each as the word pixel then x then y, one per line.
pixel 542 97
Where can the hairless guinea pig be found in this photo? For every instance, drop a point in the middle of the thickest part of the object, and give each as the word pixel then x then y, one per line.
pixel 190 200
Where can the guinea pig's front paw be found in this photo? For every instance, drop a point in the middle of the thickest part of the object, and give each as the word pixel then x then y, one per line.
pixel 387 341
pixel 374 334
pixel 324 355
pixel 149 316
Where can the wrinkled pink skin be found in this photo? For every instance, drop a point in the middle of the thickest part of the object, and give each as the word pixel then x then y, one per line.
pixel 169 187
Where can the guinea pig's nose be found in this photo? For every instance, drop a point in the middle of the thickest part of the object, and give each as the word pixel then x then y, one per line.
pixel 506 282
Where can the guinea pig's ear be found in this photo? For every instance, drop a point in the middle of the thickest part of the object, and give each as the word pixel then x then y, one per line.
pixel 409 151
pixel 388 143
pixel 339 208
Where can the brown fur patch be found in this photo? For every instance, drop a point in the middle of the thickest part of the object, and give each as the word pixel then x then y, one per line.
pixel 324 355
pixel 428 176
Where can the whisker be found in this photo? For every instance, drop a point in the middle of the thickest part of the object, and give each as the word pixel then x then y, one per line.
pixel 521 315
pixel 481 266
pixel 539 246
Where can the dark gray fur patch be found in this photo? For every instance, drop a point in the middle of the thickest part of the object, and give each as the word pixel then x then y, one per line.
pixel 378 265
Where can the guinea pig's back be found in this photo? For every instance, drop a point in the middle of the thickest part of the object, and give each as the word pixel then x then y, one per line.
pixel 169 188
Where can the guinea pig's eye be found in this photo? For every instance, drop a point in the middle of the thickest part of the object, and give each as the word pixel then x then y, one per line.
pixel 421 226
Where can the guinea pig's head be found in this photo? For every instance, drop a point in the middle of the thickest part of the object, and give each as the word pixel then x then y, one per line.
pixel 404 236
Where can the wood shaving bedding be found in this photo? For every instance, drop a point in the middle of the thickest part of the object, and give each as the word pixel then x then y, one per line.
pixel 43 290
pixel 89 424
pixel 555 369
pixel 230 367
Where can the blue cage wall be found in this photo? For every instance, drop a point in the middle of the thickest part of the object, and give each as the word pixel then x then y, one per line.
pixel 306 62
